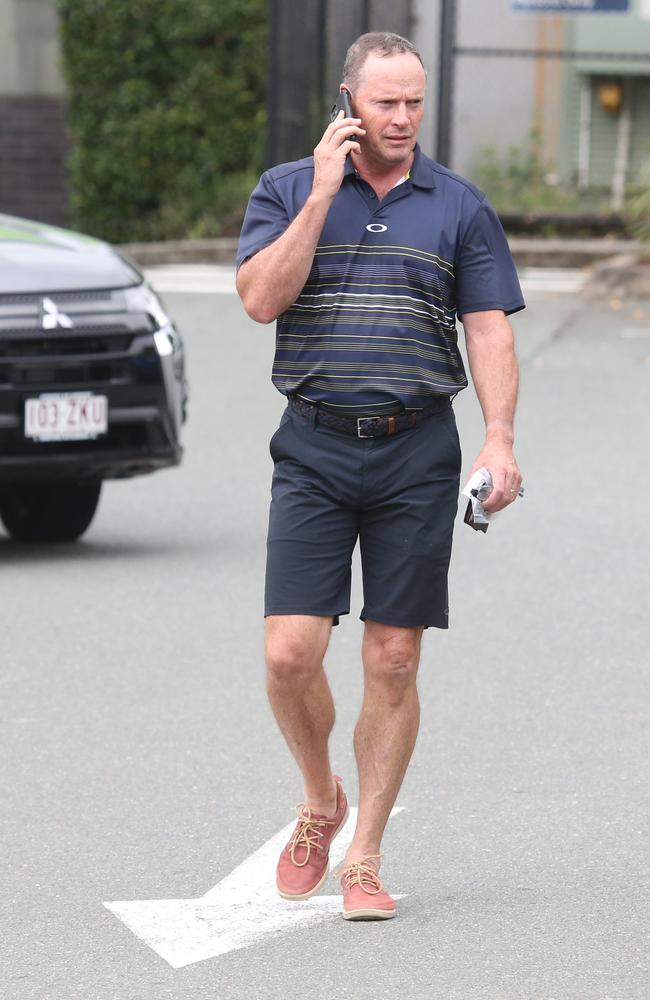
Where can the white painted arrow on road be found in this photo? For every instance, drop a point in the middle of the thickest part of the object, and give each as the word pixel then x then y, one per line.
pixel 237 912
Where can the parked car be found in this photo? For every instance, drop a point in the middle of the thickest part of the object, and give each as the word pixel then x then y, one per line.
pixel 92 379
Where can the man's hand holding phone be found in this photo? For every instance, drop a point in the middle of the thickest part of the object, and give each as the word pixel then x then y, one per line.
pixel 340 138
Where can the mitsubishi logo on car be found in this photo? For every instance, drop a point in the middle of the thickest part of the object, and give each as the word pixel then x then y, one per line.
pixel 51 318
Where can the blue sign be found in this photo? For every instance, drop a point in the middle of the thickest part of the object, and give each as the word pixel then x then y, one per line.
pixel 573 6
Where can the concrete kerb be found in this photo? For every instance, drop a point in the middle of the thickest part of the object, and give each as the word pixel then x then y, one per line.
pixel 213 251
pixel 558 252
pixel 623 275
pixel 616 266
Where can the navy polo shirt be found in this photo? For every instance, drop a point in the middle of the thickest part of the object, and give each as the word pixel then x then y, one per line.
pixel 376 319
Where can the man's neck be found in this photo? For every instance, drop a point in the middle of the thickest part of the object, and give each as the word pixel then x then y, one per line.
pixel 382 179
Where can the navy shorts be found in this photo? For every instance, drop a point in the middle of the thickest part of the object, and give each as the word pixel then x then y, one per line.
pixel 397 494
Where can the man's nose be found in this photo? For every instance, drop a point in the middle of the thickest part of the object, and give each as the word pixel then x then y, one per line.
pixel 400 115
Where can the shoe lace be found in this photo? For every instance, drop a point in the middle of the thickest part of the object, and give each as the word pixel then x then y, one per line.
pixel 307 834
pixel 362 873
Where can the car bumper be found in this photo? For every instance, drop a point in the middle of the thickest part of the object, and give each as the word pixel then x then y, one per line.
pixel 140 439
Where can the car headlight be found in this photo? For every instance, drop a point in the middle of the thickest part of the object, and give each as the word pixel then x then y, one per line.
pixel 164 343
pixel 144 299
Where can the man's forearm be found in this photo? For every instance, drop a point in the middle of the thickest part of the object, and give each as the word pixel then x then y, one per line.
pixel 495 372
pixel 272 280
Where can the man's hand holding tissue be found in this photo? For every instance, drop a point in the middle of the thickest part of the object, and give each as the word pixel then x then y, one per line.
pixel 497 457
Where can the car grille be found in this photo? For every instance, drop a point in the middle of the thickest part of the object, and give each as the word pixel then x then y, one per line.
pixel 59 346
pixel 107 345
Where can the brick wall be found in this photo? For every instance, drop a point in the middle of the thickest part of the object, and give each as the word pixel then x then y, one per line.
pixel 33 151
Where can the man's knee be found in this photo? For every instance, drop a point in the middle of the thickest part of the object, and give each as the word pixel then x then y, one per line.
pixel 391 656
pixel 295 646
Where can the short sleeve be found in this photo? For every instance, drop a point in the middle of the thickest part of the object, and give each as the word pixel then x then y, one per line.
pixel 266 218
pixel 486 277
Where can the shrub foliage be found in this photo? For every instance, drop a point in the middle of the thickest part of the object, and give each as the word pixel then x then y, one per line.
pixel 166 112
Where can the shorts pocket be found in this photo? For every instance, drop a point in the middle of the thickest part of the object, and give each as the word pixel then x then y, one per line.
pixel 446 424
pixel 273 443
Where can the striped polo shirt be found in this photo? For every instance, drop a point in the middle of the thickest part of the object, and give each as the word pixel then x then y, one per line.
pixel 375 323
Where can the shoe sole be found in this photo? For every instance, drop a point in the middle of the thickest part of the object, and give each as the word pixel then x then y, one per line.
pixel 368 914
pixel 306 895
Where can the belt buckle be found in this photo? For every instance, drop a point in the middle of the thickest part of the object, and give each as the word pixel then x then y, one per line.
pixel 365 420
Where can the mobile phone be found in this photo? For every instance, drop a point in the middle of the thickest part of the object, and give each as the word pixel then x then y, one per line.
pixel 347 110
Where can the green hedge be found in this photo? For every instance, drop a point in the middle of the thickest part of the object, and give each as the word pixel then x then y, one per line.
pixel 166 111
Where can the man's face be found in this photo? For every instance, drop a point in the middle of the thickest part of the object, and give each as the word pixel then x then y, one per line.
pixel 389 100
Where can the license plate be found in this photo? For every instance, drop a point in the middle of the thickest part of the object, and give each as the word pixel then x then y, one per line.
pixel 66 416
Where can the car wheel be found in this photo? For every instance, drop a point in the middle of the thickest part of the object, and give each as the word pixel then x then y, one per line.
pixel 49 512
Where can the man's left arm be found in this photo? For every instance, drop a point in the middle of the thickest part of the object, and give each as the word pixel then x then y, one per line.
pixel 495 373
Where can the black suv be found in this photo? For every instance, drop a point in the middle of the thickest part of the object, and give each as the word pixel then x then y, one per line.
pixel 92 382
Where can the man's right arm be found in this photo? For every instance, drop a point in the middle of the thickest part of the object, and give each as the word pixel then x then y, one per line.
pixel 270 281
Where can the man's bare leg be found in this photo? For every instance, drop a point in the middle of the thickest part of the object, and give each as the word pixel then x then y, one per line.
pixel 301 699
pixel 387 728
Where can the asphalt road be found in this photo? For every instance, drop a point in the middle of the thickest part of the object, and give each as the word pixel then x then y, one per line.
pixel 140 761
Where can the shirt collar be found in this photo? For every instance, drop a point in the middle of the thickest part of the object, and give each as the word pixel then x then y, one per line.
pixel 420 173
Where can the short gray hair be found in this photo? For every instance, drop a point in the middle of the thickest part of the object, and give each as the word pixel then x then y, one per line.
pixel 383 43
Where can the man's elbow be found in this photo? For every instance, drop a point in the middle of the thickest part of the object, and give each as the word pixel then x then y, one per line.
pixel 491 328
pixel 257 310
pixel 257 306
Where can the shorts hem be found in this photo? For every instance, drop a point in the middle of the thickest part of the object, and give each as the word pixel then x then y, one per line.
pixel 440 621
pixel 314 612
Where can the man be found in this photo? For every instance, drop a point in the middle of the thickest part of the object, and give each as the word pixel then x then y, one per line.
pixel 364 254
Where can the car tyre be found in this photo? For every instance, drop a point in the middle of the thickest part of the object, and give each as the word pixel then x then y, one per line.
pixel 49 512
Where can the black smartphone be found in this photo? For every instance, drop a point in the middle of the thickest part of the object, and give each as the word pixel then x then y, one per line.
pixel 347 106
pixel 347 110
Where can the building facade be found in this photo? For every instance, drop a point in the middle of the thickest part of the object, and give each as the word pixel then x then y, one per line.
pixel 580 83
pixel 606 121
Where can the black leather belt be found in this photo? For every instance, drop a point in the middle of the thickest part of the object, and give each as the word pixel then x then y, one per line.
pixel 369 427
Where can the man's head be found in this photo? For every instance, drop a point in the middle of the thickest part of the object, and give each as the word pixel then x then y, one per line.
pixel 380 43
pixel 386 79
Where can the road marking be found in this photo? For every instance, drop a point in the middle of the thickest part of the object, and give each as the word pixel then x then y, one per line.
pixel 193 279
pixel 219 279
pixel 550 279
pixel 240 910
pixel 635 333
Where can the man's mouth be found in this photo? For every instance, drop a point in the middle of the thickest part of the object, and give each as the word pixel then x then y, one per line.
pixel 398 138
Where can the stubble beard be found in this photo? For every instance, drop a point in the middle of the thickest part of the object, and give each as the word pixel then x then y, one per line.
pixel 380 155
